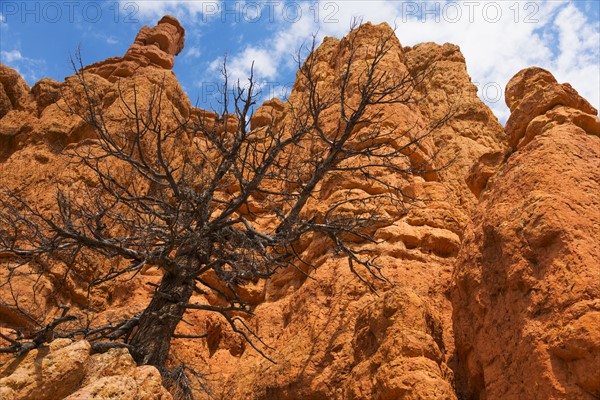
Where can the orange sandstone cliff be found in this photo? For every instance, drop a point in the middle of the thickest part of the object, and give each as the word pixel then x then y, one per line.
pixel 526 295
pixel 494 286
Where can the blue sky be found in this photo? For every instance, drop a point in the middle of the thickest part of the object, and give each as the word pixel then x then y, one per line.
pixel 498 38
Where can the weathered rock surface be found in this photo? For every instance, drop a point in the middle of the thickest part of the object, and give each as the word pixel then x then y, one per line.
pixel 66 370
pixel 518 318
pixel 37 134
pixel 527 296
pixel 331 337
pixel 154 47
pixel 14 91
pixel 145 66
pixel 46 91
pixel 16 106
pixel 532 92
pixel 471 133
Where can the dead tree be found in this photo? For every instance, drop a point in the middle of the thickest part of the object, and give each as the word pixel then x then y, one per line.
pixel 179 196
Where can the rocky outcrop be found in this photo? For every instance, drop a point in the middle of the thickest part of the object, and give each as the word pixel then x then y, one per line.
pixel 68 370
pixel 471 133
pixel 534 91
pixel 46 92
pixel 493 283
pixel 40 115
pixel 16 105
pixel 527 295
pixel 330 336
pixel 270 112
pixel 14 91
pixel 37 135
pixel 155 47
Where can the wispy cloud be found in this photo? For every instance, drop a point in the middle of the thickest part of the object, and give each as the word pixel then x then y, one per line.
pixel 184 10
pixel 29 68
pixel 239 66
pixel 3 24
pixel 577 60
pixel 193 52
pixel 10 57
pixel 274 59
pixel 497 38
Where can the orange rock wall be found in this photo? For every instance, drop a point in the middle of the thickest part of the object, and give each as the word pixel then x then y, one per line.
pixel 526 303
pixel 493 289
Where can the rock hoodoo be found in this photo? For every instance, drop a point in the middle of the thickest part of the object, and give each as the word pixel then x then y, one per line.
pixel 36 115
pixel 154 46
pixel 534 91
pixel 526 303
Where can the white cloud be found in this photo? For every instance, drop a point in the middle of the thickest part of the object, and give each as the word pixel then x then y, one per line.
pixel 275 57
pixel 497 38
pixel 193 52
pixel 112 40
pixel 238 67
pixel 554 35
pixel 579 53
pixel 9 57
pixel 182 9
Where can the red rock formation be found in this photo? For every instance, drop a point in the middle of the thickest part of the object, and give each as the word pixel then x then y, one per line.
pixel 14 91
pixel 518 229
pixel 66 370
pixel 527 296
pixel 146 64
pixel 531 93
pixel 46 92
pixel 331 337
pixel 154 47
pixel 36 135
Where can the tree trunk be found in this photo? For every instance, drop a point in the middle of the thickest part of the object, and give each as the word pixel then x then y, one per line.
pixel 158 322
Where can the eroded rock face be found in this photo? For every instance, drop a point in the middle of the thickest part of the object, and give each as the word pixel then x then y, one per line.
pixel 268 113
pixel 471 133
pixel 67 370
pixel 527 296
pixel 14 91
pixel 46 92
pixel 154 47
pixel 517 319
pixel 37 116
pixel 37 135
pixel 331 337
pixel 530 94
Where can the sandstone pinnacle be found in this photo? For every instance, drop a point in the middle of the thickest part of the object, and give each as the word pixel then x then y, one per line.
pixel 154 47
